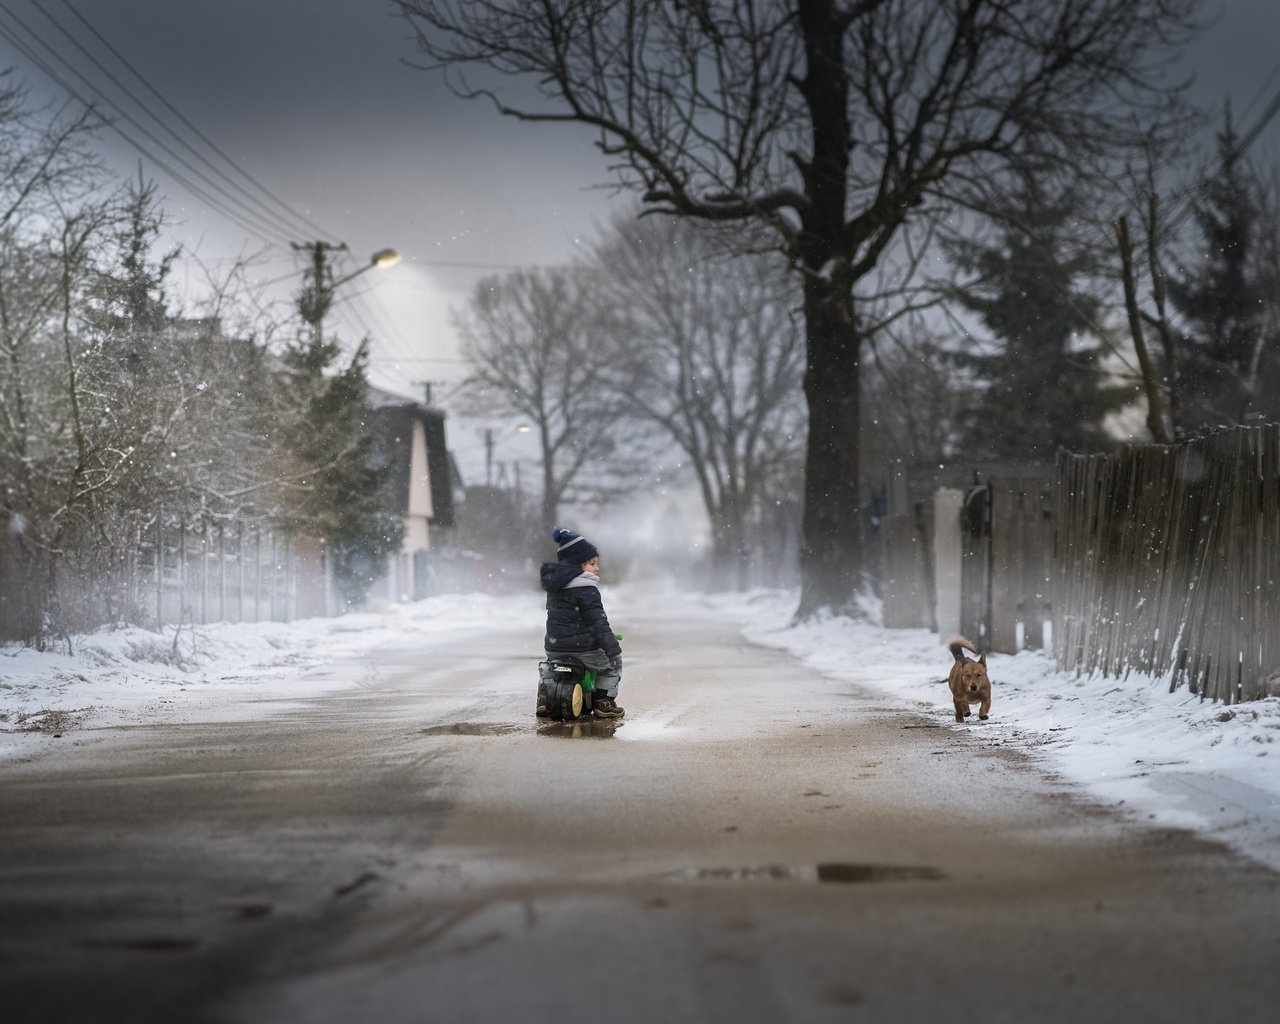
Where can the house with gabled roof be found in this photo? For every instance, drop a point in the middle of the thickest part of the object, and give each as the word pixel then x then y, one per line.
pixel 419 489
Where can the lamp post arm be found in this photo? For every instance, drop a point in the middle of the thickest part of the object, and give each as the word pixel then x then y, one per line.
pixel 381 259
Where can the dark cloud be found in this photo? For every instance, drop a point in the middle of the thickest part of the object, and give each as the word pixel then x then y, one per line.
pixel 317 99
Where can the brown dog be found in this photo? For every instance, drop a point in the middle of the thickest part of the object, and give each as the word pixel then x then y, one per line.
pixel 968 680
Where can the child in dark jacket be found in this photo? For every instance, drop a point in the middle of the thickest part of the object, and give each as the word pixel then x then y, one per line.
pixel 576 622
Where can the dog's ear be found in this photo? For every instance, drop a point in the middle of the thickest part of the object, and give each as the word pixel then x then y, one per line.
pixel 982 659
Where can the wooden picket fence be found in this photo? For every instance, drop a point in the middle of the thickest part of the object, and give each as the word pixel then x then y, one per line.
pixel 204 572
pixel 1168 562
pixel 179 569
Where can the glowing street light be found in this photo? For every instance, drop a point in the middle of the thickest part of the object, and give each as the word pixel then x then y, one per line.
pixel 382 259
pixel 316 295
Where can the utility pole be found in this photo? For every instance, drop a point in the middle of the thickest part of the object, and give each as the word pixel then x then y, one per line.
pixel 488 456
pixel 316 295
pixel 427 388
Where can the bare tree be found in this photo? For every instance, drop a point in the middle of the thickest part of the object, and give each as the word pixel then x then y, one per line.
pixel 712 357
pixel 915 396
pixel 113 412
pixel 832 122
pixel 536 345
pixel 51 219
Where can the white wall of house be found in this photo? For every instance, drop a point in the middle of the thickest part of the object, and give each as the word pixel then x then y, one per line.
pixel 400 583
pixel 416 535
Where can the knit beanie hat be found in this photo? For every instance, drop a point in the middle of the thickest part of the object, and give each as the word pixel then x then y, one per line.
pixel 573 547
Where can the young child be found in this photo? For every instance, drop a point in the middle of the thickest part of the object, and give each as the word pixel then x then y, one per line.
pixel 576 622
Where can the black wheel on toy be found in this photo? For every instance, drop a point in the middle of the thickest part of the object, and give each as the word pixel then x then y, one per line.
pixel 565 699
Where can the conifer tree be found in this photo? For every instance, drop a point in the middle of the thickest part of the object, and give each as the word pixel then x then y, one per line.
pixel 1228 341
pixel 335 485
pixel 1038 382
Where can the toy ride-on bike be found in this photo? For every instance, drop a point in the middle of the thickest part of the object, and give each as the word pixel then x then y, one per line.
pixel 570 685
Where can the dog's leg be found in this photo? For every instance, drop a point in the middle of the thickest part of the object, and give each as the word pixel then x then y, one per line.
pixel 985 709
pixel 962 709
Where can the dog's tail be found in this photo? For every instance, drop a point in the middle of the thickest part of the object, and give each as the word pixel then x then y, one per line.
pixel 957 644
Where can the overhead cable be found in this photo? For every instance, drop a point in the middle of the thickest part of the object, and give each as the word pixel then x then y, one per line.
pixel 295 215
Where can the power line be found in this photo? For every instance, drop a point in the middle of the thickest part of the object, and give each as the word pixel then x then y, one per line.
pixel 1241 146
pixel 281 225
pixel 1247 140
pixel 374 310
pixel 371 319
pixel 480 266
pixel 262 207
pixel 298 217
pixel 258 230
pixel 419 359
pixel 1262 88
pixel 383 333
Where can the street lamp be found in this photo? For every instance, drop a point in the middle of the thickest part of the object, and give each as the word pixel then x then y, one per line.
pixel 316 295
pixel 381 259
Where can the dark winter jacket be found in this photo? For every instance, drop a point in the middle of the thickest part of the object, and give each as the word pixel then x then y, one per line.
pixel 575 615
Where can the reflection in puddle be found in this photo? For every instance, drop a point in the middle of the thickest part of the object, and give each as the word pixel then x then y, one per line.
pixel 248 911
pixel 146 944
pixel 583 728
pixel 877 873
pixel 830 872
pixel 471 729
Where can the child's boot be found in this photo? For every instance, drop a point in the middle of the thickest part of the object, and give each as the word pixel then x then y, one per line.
pixel 607 707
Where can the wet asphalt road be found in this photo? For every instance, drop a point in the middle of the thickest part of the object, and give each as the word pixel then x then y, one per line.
pixel 751 844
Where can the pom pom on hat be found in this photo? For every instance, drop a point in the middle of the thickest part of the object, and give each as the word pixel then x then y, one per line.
pixel 573 547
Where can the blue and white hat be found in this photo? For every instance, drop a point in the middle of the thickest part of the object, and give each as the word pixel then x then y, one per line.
pixel 573 547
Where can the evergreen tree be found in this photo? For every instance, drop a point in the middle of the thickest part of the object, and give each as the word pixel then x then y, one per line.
pixel 1039 385
pixel 1228 340
pixel 335 486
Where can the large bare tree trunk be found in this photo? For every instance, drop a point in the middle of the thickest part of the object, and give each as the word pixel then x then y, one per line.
pixel 831 539
pixel 831 549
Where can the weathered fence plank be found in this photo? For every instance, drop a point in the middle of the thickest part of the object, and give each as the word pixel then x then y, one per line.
pixel 1168 560
pixel 968 547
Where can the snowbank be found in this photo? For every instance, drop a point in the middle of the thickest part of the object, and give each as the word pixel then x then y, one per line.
pixel 218 672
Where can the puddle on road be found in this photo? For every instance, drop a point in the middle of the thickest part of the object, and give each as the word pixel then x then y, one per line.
pixel 584 728
pixel 878 873
pixel 146 944
pixel 357 883
pixel 472 729
pixel 248 911
pixel 836 872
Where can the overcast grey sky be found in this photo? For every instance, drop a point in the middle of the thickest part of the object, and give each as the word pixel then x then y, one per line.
pixel 314 99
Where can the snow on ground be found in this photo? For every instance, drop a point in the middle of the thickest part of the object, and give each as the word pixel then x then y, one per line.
pixel 1169 759
pixel 219 672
